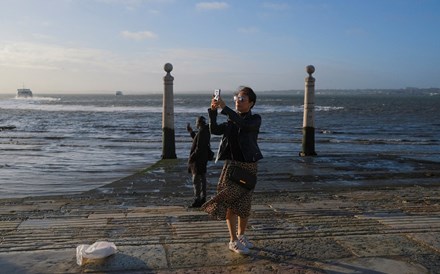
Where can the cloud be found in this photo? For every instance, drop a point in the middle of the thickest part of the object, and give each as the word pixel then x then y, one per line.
pixel 152 11
pixel 134 5
pixel 52 67
pixel 40 36
pixel 134 2
pixel 249 30
pixel 356 32
pixel 96 67
pixel 276 6
pixel 50 57
pixel 212 6
pixel 138 36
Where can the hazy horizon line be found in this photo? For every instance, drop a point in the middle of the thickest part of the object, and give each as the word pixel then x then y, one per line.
pixel 407 89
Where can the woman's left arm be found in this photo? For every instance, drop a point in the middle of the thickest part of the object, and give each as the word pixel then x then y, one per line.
pixel 250 124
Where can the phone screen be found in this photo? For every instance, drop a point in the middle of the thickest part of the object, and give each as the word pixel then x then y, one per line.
pixel 217 94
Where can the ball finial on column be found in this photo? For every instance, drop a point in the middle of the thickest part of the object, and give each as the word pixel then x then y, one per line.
pixel 168 67
pixel 310 69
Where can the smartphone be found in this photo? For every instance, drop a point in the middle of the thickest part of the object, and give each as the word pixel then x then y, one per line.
pixel 217 94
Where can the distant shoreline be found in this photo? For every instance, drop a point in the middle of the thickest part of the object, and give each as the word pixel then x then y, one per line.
pixel 406 91
pixel 378 91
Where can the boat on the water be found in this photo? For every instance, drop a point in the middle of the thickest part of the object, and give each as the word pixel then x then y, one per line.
pixel 6 128
pixel 24 93
pixel 118 92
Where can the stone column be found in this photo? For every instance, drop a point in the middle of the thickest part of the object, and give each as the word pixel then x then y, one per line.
pixel 308 140
pixel 168 139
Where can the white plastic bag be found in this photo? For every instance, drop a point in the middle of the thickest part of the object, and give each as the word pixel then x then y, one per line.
pixel 98 250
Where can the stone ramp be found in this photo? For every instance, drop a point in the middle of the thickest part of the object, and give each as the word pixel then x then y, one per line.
pixel 320 215
pixel 344 231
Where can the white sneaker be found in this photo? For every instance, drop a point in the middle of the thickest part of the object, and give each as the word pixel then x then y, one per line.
pixel 238 247
pixel 244 240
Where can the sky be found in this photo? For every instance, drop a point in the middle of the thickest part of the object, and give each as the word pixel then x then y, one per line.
pixel 64 46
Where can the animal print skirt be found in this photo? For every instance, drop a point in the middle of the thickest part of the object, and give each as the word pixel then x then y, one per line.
pixel 229 194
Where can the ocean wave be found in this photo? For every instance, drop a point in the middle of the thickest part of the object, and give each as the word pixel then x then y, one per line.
pixel 280 109
pixel 377 141
pixel 327 108
pixel 47 104
pixel 30 105
pixel 37 99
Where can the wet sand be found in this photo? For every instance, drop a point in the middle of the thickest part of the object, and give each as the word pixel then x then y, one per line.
pixel 327 214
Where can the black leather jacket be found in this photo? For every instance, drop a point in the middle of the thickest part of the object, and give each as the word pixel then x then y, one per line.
pixel 198 157
pixel 248 129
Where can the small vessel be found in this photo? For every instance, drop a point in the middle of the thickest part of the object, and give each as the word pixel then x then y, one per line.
pixel 6 128
pixel 24 93
pixel 118 92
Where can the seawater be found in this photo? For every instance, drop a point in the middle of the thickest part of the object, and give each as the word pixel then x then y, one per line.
pixel 64 144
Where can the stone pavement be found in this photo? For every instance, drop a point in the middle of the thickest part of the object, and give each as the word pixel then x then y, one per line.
pixel 325 214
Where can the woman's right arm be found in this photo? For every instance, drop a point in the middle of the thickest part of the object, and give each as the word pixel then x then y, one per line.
pixel 214 128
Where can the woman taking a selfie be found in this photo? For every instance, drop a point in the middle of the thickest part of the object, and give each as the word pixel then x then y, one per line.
pixel 239 149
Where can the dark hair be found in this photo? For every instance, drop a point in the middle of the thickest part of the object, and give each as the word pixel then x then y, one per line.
pixel 249 93
pixel 201 120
